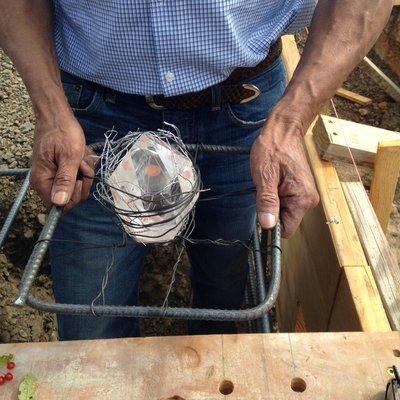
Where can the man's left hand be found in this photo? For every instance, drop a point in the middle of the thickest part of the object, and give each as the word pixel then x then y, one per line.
pixel 284 182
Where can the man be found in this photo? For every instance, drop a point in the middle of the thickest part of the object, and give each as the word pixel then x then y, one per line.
pixel 210 67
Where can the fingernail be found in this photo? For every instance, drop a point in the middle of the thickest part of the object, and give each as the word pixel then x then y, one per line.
pixel 266 220
pixel 60 198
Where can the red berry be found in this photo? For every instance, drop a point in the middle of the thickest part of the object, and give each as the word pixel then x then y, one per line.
pixel 2 380
pixel 10 365
pixel 9 376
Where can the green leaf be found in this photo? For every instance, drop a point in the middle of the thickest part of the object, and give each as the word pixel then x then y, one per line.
pixel 27 388
pixel 5 358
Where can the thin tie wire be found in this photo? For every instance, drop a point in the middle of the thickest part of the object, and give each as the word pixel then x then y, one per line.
pixel 104 281
pixel 173 276
pixel 342 131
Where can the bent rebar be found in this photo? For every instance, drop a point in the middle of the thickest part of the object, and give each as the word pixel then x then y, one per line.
pixel 17 202
pixel 174 312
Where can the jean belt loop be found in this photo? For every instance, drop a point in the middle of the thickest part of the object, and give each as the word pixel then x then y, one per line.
pixel 216 97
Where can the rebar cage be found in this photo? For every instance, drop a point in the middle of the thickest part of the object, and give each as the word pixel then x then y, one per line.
pixel 260 297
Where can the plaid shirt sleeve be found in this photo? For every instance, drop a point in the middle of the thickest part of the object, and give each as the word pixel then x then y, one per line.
pixel 169 47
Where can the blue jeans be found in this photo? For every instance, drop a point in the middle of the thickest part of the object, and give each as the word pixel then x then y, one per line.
pixel 218 274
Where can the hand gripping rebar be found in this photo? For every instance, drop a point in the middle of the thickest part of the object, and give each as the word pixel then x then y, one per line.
pixel 266 298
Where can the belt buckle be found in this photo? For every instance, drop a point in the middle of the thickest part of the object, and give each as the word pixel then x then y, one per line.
pixel 254 88
pixel 150 101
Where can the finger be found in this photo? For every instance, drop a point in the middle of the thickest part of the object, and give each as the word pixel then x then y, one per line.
pixel 91 158
pixel 42 183
pixel 64 181
pixel 75 198
pixel 291 218
pixel 293 209
pixel 87 181
pixel 267 199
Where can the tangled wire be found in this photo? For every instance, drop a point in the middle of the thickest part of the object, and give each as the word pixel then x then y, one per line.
pixel 148 179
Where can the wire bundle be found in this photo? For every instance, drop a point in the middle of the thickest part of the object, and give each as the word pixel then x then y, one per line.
pixel 150 182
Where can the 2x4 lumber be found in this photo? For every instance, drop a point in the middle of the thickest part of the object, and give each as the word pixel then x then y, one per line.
pixel 315 257
pixel 254 367
pixel 347 245
pixel 384 180
pixel 355 97
pixel 345 239
pixel 383 263
pixel 335 138
pixel 383 80
pixel 290 55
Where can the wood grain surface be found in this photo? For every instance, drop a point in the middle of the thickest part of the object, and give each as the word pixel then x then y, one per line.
pixel 251 367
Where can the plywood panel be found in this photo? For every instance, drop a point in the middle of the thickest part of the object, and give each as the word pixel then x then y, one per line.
pixel 357 306
pixel 311 273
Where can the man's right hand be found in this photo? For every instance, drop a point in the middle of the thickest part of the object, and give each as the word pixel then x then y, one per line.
pixel 59 152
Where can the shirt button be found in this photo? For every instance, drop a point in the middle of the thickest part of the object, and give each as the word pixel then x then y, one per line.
pixel 169 77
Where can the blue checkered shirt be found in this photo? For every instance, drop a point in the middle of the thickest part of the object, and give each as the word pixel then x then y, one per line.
pixel 169 47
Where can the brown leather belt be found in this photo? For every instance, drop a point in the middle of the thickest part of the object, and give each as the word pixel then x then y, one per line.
pixel 234 90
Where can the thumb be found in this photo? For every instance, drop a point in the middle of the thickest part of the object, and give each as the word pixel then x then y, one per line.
pixel 64 182
pixel 267 201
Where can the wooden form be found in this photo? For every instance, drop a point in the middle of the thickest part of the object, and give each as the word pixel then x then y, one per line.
pixel 383 263
pixel 325 366
pixel 325 271
pixel 355 97
pixel 384 181
pixel 334 137
pixel 383 80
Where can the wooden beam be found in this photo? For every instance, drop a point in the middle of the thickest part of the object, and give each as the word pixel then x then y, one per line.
pixel 334 137
pixel 290 55
pixel 380 257
pixel 355 97
pixel 345 239
pixel 314 259
pixel 383 80
pixel 345 366
pixel 384 181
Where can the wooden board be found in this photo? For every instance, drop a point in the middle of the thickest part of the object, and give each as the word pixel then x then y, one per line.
pixel 354 97
pixel 358 305
pixel 334 137
pixel 254 367
pixel 383 263
pixel 383 80
pixel 384 180
pixel 290 55
pixel 317 260
pixel 311 272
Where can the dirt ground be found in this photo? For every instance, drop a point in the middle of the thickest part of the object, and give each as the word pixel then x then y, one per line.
pixel 16 127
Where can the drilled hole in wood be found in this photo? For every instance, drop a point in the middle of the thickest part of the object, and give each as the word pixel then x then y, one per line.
pixel 396 352
pixel 298 385
pixel 226 387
